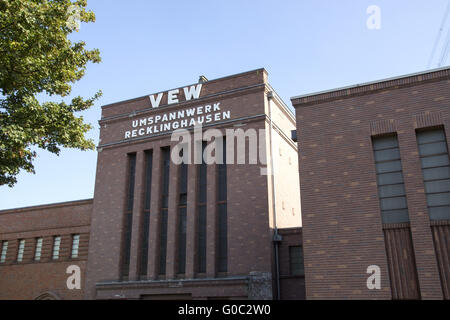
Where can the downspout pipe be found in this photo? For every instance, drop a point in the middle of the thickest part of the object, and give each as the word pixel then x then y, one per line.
pixel 276 236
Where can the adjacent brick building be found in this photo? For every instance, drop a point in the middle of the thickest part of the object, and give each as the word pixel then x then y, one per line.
pixel 162 230
pixel 38 270
pixel 374 176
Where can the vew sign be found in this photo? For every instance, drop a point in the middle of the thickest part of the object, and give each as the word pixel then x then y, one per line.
pixel 190 93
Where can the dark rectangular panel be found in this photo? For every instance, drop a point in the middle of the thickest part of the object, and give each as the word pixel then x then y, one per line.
pixel 128 216
pixel 146 216
pixel 182 240
pixel 402 265
pixel 201 214
pixel 296 261
pixel 201 239
pixel 441 238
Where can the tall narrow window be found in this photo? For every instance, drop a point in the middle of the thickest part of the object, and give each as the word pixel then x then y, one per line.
pixel 56 246
pixel 164 210
pixel 391 188
pixel 75 245
pixel 434 157
pixel 395 218
pixel 20 250
pixel 38 249
pixel 146 217
pixel 222 256
pixel 201 214
pixel 436 172
pixel 182 203
pixel 4 251
pixel 296 261
pixel 128 217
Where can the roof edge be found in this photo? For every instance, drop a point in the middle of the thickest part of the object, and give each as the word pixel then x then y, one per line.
pixel 49 205
pixel 367 87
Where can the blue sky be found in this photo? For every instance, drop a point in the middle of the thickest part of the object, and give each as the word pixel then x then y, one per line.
pixel 306 46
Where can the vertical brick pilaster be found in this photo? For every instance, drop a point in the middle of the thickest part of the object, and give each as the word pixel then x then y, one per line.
pixel 172 222
pixel 191 221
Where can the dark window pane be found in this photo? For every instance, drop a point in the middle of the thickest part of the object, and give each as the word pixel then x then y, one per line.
pixel 438 199
pixel 391 166
pixel 128 219
pixel 435 161
pixel 395 216
pixel 296 261
pixel 148 178
pixel 146 215
pixel 163 242
pixel 433 148
pixel 201 238
pixel 436 173
pixel 389 154
pixel 127 244
pixel 390 178
pixel 437 186
pixel 144 243
pixel 182 240
pixel 223 246
pixel 165 176
pixel 183 199
pixel 131 178
pixel 439 213
pixel 393 203
pixel 385 142
pixel 431 136
pixel 391 190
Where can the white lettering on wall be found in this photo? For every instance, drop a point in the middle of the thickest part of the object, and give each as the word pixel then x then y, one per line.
pixel 192 92
pixel 155 102
pixel 177 119
pixel 172 96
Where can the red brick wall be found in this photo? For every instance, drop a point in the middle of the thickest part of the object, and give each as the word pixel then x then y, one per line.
pixel 342 228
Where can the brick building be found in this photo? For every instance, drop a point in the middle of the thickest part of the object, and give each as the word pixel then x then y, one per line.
pixel 375 182
pixel 37 246
pixel 158 229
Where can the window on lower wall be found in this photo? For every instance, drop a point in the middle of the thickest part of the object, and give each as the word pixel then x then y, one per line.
pixel 38 249
pixel 201 208
pixel 4 251
pixel 296 265
pixel 20 250
pixel 146 217
pixel 75 245
pixel 391 188
pixel 128 216
pixel 56 246
pixel 435 162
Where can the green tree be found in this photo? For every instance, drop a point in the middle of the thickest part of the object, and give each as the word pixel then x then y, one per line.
pixel 36 57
